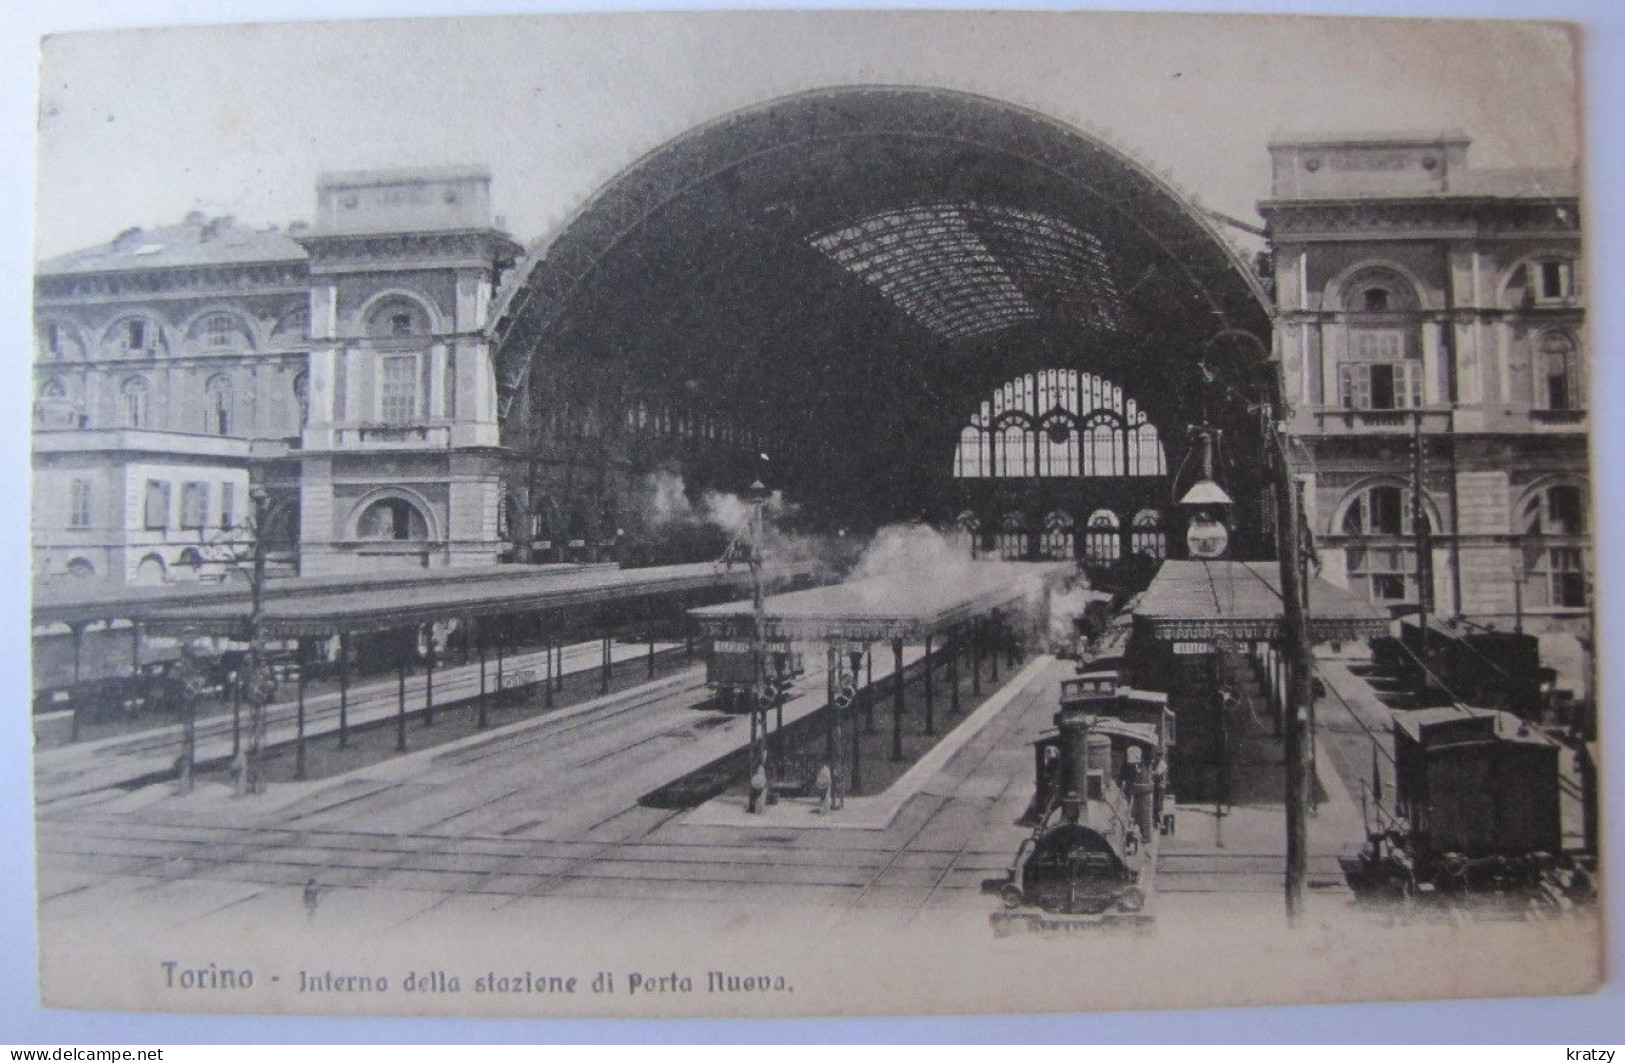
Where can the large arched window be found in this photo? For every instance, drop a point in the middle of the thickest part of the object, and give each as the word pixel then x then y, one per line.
pixel 1381 363
pixel 1381 557
pixel 220 331
pixel 1147 536
pixel 392 518
pixel 1552 525
pixel 1056 543
pixel 217 406
pixel 133 403
pixel 1059 423
pixel 1013 536
pixel 1102 538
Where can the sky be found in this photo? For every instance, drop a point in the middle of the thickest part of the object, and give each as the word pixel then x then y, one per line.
pixel 140 127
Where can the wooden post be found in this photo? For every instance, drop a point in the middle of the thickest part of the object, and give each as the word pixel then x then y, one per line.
pixel 869 688
pixel 832 688
pixel 651 652
pixel 237 715
pixel 953 674
pixel 603 680
pixel 558 668
pixel 930 718
pixel 897 700
pixel 976 661
pixel 299 722
pixel 400 714
pixel 480 639
pixel 78 695
pixel 499 668
pixel 428 678
pixel 857 752
pixel 135 647
pixel 344 691
pixel 547 671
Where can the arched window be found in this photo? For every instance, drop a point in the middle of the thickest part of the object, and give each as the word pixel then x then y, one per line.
pixel 1381 558
pixel 133 398
pixel 219 332
pixel 1553 524
pixel 1102 540
pixel 392 518
pixel 1146 536
pixel 217 406
pixel 1557 510
pixel 1057 541
pixel 301 397
pixel 54 388
pixel 1557 383
pixel 58 341
pixel 293 328
pixel 1059 423
pixel 135 337
pixel 151 570
pixel 81 568
pixel 1013 536
pixel 396 318
pixel 1381 365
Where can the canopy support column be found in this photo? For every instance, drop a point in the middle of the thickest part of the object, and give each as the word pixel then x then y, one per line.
pixel 897 700
pixel 344 691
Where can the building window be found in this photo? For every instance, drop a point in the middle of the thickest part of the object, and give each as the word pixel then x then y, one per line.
pixel 228 506
pixel 1103 541
pixel 398 394
pixel 392 518
pixel 1558 510
pixel 1554 279
pixel 1558 385
pixel 220 332
pixel 1012 539
pixel 157 505
pixel 1375 300
pixel 80 568
pixel 194 505
pixel 79 514
pixel 301 397
pixel 217 403
pixel 400 324
pixel 133 398
pixel 1386 569
pixel 1059 423
pixel 1147 537
pixel 1057 542
pixel 1381 385
pixel 136 336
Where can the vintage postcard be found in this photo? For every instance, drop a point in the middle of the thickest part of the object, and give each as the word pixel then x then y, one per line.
pixel 824 513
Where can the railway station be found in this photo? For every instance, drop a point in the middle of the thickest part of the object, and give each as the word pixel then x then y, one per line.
pixel 877 500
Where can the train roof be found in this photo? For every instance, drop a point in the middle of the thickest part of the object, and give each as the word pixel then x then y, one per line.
pixel 1463 725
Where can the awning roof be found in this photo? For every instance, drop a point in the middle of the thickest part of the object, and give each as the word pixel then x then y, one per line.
pixel 1196 601
pixel 887 607
pixel 329 607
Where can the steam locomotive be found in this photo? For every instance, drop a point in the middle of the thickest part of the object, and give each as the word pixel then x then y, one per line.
pixel 1099 805
pixel 730 670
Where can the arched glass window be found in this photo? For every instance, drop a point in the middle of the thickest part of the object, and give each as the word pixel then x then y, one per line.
pixel 81 568
pixel 1059 423
pixel 220 332
pixel 217 406
pixel 1381 558
pixel 1146 536
pixel 1057 541
pixel 1103 540
pixel 392 518
pixel 1381 364
pixel 133 398
pixel 1013 536
pixel 1557 385
pixel 1553 524
pixel 397 317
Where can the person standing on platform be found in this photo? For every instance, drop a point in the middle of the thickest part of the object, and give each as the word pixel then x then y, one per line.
pixel 825 786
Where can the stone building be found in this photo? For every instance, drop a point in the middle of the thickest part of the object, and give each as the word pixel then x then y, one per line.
pixel 341 367
pixel 1424 302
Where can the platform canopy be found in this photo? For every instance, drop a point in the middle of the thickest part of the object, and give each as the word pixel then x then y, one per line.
pixel 569 593
pixel 1198 601
pixel 904 606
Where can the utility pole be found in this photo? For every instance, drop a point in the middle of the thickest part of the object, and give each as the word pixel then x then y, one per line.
pixel 1419 530
pixel 758 639
pixel 1299 656
pixel 261 686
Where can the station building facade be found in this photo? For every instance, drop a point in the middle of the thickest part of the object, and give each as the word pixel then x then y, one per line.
pixel 1423 303
pixel 347 369
pixel 341 368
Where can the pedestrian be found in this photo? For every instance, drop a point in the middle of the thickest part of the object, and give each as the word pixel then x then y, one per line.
pixel 313 896
pixel 825 787
pixel 758 787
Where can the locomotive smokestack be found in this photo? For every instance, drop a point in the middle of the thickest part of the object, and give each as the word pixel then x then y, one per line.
pixel 1074 728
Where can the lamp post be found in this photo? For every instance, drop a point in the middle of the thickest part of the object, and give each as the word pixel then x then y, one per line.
pixel 261 686
pixel 757 495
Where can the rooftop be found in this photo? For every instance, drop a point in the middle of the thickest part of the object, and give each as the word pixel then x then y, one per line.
pixel 197 240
